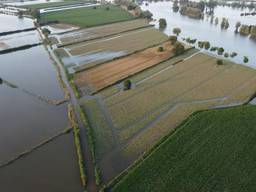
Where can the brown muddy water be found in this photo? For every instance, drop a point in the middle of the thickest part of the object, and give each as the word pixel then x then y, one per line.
pixel 27 121
pixel 49 169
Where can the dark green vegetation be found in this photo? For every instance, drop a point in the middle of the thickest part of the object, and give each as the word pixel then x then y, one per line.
pixel 211 151
pixel 89 16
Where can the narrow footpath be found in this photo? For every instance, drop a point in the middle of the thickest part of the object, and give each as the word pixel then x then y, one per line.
pixel 87 156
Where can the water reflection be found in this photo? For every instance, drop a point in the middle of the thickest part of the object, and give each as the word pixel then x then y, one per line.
pixel 205 31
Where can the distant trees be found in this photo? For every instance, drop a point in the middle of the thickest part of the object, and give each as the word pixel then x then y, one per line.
pixel 162 23
pixel 216 21
pixel 20 14
pixel 224 23
pixel 204 44
pixel 175 6
pixel 1 81
pixel 226 55
pixel 176 31
pixel 173 39
pixel 127 85
pixel 238 24
pixel 233 54
pixel 211 4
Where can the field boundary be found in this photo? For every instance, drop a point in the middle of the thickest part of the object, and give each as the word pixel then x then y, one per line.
pixel 129 76
pixel 148 153
pixel 116 58
pixel 102 37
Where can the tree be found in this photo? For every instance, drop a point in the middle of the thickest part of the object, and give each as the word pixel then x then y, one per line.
pixel 207 45
pixel 216 21
pixel 127 84
pixel 162 23
pixel 175 6
pixel 238 24
pixel 224 23
pixel 1 80
pixel 226 54
pixel 160 49
pixel 220 51
pixel 173 39
pixel 146 14
pixel 20 14
pixel 212 18
pixel 246 60
pixel 178 48
pixel 176 31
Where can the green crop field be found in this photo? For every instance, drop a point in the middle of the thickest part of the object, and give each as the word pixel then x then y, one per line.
pixel 212 151
pixel 88 17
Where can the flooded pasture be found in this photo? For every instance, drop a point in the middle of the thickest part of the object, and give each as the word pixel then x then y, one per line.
pixel 203 30
pixel 27 120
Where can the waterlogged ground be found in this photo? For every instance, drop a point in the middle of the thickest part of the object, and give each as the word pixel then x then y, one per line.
pixel 205 31
pixel 27 120
pixel 19 39
pixel 33 70
pixel 12 23
pixel 52 168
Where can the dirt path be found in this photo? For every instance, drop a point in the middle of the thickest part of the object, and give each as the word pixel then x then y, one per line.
pixel 87 156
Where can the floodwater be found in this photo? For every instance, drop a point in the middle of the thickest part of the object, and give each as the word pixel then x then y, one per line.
pixel 203 30
pixel 33 70
pixel 67 7
pixel 23 3
pixel 49 169
pixel 13 23
pixel 19 39
pixel 27 121
pixel 76 62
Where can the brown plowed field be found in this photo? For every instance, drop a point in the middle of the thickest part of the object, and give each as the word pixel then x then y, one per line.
pixel 106 74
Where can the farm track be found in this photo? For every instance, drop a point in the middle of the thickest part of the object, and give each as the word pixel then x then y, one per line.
pixel 87 156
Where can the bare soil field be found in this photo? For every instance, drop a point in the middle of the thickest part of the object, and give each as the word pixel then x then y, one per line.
pixel 138 118
pixel 88 54
pixel 100 31
pixel 106 74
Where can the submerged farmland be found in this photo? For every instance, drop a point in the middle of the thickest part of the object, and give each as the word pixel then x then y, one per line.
pixel 88 54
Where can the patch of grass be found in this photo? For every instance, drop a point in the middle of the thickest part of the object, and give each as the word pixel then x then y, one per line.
pixel 88 17
pixel 212 151
pixel 71 116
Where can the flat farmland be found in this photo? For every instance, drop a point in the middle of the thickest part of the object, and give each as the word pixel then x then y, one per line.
pixel 100 31
pixel 109 73
pixel 88 16
pixel 212 151
pixel 160 100
pixel 88 54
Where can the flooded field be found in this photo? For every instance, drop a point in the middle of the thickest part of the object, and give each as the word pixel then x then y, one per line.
pixel 87 54
pixel 12 23
pixel 203 30
pixel 33 70
pixel 19 39
pixel 51 168
pixel 28 119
